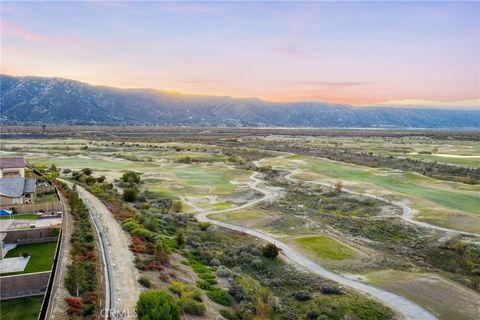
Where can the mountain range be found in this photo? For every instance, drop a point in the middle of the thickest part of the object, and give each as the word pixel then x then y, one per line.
pixel 40 100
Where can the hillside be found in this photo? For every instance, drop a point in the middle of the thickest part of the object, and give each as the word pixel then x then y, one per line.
pixel 39 100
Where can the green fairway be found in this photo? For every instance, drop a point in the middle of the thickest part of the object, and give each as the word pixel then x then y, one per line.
pixel 21 309
pixel 26 216
pixel 41 256
pixel 401 183
pixel 326 247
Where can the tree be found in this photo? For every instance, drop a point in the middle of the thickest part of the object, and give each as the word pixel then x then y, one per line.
pixel 270 250
pixel 434 150
pixel 180 238
pixel 157 305
pixel 130 195
pixel 338 186
pixel 131 177
pixel 53 173
pixel 53 168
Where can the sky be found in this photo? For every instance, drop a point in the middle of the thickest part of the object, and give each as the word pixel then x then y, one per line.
pixel 341 52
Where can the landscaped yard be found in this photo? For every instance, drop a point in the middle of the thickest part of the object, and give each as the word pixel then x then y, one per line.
pixel 49 197
pixel 326 247
pixel 21 309
pixel 23 216
pixel 41 256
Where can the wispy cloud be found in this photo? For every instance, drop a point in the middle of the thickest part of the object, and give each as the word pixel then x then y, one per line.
pixel 330 83
pixel 204 81
pixel 38 38
pixel 29 36
pixel 292 50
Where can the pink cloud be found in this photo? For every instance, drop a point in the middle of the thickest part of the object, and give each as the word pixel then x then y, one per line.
pixel 330 83
pixel 37 38
pixel 32 37
pixel 292 51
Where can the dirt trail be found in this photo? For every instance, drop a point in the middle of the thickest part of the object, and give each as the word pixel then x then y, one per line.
pixel 402 306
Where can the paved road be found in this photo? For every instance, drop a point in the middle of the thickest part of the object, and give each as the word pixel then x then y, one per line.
pixel 123 274
pixel 403 306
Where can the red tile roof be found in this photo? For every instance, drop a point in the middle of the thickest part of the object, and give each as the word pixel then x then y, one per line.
pixel 12 163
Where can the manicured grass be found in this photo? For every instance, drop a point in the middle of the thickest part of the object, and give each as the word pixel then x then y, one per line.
pixel 402 183
pixel 26 216
pixel 326 247
pixel 464 162
pixel 41 256
pixel 21 309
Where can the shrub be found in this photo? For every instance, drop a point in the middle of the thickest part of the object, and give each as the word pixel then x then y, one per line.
pixel 192 307
pixel 302 296
pixel 130 225
pixel 214 262
pixel 238 293
pixel 270 250
pixel 228 314
pixel 157 305
pixel 331 289
pixel 204 225
pixel 88 309
pixel 176 206
pixel 338 186
pixel 87 171
pixel 223 272
pixel 219 296
pixel 131 177
pixel 130 195
pixel 205 285
pixel 176 287
pixel 142 232
pixel 144 281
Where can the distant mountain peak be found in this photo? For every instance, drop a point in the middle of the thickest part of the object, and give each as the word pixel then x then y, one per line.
pixel 62 101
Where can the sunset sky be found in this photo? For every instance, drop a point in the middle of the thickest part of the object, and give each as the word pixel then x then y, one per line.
pixel 342 52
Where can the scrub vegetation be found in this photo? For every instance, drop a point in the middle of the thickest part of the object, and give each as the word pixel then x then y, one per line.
pixel 155 183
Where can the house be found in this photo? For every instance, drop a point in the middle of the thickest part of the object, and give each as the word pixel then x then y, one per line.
pixel 17 190
pixel 14 187
pixel 12 167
